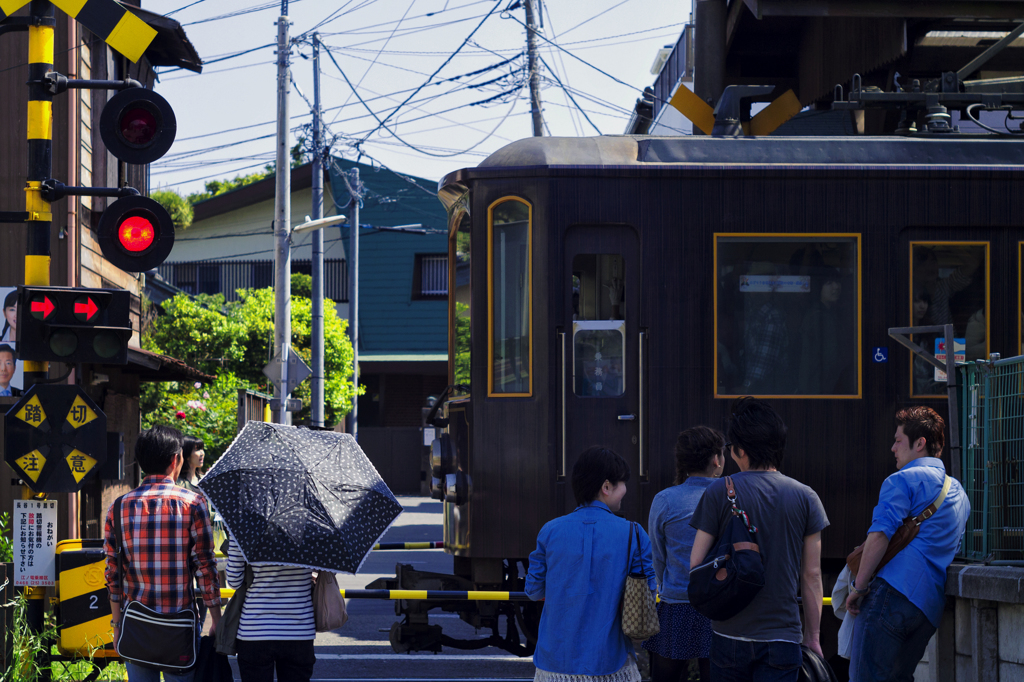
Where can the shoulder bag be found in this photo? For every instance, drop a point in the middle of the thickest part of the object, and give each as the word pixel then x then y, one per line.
pixel 639 612
pixel 166 641
pixel 728 581
pixel 901 538
pixel 227 628
pixel 329 611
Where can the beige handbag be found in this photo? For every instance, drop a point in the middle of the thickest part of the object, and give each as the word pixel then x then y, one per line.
pixel 328 605
pixel 639 612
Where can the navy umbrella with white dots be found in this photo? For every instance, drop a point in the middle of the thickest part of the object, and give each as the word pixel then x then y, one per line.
pixel 299 497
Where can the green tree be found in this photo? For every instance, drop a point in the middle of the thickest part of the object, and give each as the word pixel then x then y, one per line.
pixel 177 205
pixel 233 341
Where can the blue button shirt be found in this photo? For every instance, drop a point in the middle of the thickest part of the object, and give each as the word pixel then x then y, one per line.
pixel 579 570
pixel 919 571
pixel 672 536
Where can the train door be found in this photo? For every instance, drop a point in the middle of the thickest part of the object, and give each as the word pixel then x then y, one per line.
pixel 599 341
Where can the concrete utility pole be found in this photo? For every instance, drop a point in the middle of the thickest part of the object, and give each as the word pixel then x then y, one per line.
pixel 282 224
pixel 533 63
pixel 317 398
pixel 355 190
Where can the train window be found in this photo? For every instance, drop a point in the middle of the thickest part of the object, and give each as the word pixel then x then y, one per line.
pixel 597 351
pixel 459 305
pixel 787 315
pixel 948 285
pixel 509 266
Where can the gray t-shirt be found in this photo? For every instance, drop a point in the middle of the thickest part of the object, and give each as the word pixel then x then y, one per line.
pixel 785 512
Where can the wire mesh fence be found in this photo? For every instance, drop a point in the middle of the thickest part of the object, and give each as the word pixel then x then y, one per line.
pixel 993 460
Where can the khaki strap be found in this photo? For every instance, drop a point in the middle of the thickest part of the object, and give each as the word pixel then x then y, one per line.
pixel 752 546
pixel 934 506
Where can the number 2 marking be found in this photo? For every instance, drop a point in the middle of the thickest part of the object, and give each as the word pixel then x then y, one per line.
pixel 92 601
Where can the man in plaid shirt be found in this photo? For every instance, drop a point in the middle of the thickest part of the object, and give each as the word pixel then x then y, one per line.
pixel 167 540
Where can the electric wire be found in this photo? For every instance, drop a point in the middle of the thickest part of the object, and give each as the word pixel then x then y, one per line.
pixel 568 94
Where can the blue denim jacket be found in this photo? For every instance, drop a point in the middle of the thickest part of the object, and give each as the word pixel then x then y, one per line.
pixel 672 536
pixel 919 571
pixel 579 570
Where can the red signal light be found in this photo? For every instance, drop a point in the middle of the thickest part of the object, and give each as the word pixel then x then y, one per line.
pixel 41 307
pixel 136 234
pixel 85 308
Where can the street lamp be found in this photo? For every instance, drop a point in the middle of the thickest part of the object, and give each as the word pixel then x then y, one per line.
pixel 316 408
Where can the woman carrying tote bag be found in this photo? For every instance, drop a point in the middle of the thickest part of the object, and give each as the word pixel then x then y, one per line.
pixel 579 568
pixel 276 629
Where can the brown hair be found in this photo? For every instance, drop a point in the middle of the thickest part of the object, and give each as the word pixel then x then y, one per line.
pixel 694 449
pixel 923 422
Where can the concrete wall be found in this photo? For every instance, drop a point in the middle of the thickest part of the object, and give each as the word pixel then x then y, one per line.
pixel 981 638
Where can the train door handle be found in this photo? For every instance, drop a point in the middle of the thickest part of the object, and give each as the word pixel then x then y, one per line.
pixel 627 417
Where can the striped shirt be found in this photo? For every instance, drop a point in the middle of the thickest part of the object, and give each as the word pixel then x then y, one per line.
pixel 167 539
pixel 279 603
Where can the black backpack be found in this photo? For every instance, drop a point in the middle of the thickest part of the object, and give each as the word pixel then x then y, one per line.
pixel 733 574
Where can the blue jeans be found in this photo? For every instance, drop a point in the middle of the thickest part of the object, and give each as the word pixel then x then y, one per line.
pixel 734 660
pixel 137 673
pixel 889 636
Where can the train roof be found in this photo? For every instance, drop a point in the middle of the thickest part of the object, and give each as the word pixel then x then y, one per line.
pixel 953 151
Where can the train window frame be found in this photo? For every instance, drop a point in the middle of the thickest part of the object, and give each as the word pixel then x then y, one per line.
pixel 457 217
pixel 1019 350
pixel 796 237
pixel 910 302
pixel 490 296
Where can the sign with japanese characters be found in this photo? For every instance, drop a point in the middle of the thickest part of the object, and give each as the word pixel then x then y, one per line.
pixel 35 543
pixel 55 438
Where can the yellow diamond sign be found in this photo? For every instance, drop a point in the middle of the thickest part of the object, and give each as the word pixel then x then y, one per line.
pixel 80 414
pixel 80 464
pixel 32 413
pixel 32 464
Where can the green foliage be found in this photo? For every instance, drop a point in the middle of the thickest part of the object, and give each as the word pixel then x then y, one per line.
pixel 6 539
pixel 462 347
pixel 233 342
pixel 215 187
pixel 302 285
pixel 177 205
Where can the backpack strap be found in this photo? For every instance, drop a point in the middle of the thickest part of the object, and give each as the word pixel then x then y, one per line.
pixel 934 506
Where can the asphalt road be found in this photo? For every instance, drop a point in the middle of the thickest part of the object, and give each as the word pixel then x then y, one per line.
pixel 360 650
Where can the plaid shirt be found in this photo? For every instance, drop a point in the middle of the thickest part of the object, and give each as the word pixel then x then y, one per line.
pixel 161 523
pixel 766 345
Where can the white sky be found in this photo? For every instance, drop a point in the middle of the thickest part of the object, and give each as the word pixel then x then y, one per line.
pixel 388 48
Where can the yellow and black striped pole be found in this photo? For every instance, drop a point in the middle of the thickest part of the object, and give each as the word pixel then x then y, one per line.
pixel 37 256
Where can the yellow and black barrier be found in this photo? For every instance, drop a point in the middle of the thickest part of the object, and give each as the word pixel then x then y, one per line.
pixel 438 595
pixel 383 546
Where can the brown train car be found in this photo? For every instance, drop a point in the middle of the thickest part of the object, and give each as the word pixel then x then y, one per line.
pixel 616 290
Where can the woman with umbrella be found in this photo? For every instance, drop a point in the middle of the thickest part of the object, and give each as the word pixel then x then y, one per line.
pixel 276 629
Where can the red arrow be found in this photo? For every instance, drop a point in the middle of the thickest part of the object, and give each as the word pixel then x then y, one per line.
pixel 45 306
pixel 89 308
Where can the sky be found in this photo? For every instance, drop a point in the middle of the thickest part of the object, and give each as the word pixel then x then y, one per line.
pixel 446 77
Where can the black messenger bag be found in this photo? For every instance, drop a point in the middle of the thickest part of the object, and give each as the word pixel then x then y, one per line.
pixel 166 641
pixel 731 575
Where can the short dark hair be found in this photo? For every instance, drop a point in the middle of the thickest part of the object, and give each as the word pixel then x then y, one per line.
pixel 156 447
pixel 694 449
pixel 758 429
pixel 595 466
pixel 11 299
pixel 4 348
pixel 189 445
pixel 923 422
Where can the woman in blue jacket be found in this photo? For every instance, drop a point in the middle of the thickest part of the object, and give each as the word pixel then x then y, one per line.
pixel 685 634
pixel 579 569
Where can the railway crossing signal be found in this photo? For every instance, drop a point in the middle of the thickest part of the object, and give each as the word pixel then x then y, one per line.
pixel 137 125
pixel 74 325
pixel 136 234
pixel 55 438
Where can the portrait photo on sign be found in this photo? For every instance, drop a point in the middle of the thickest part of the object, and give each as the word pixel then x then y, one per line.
pixel 11 381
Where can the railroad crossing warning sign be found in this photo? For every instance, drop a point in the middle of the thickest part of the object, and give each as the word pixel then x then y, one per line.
pixel 84 614
pixel 54 438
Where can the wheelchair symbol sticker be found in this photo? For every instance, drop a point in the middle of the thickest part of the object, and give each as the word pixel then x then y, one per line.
pixel 880 354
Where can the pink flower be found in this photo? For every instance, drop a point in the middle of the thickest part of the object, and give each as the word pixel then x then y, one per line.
pixel 206 395
pixel 179 414
pixel 198 385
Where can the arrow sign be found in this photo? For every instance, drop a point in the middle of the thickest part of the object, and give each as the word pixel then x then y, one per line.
pixel 87 310
pixel 44 307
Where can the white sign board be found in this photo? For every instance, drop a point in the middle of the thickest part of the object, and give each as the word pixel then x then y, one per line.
pixel 959 355
pixel 35 543
pixel 782 284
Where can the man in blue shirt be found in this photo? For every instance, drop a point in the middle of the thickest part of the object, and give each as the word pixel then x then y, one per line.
pixel 899 610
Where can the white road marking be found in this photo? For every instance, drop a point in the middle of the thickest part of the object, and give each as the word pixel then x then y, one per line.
pixel 419 657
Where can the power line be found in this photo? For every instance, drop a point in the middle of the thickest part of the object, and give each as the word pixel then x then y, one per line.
pixel 569 94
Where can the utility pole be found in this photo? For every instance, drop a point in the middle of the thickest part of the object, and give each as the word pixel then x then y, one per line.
pixel 317 398
pixel 282 224
pixel 532 63
pixel 355 190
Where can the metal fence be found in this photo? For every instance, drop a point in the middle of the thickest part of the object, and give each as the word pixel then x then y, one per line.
pixel 993 460
pixel 227 277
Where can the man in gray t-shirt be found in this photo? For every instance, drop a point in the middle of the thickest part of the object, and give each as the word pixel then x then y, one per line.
pixel 789 518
